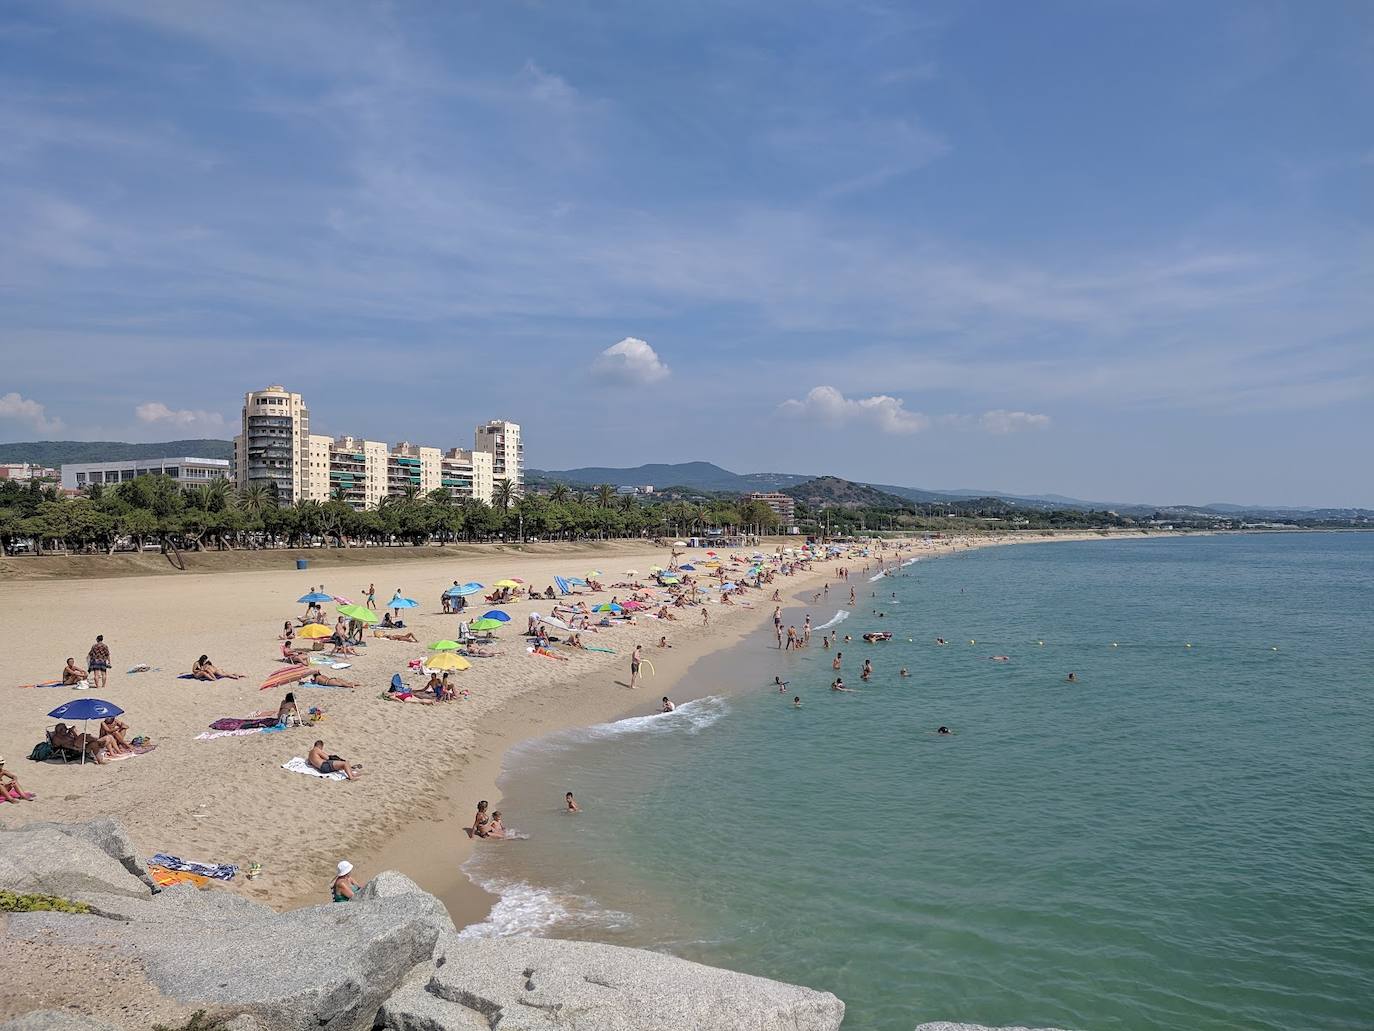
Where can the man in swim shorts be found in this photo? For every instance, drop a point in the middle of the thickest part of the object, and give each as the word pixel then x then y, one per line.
pixel 636 657
pixel 319 760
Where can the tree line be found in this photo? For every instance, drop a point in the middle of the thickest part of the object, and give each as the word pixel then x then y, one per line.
pixel 156 510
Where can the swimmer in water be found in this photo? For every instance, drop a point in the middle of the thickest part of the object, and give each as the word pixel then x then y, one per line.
pixel 903 672
pixel 1000 658
pixel 796 702
pixel 779 683
pixel 940 640
pixel 838 685
pixel 944 732
pixel 867 670
pixel 835 663
pixel 572 805
pixel 1072 678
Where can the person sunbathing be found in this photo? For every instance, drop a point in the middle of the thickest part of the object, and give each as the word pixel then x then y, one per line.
pixel 325 763
pixel 288 713
pixel 478 652
pixel 287 631
pixel 408 637
pixel 113 728
pixel 10 791
pixel 548 592
pixel 398 692
pixel 293 655
pixel 204 669
pixel 343 648
pixel 575 641
pixel 325 680
pixel 72 673
pixel 73 740
pixel 434 685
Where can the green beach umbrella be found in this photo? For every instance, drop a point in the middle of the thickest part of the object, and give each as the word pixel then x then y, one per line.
pixel 445 646
pixel 359 612
pixel 484 624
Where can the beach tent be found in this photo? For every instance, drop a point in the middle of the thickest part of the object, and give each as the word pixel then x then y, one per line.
pixel 85 710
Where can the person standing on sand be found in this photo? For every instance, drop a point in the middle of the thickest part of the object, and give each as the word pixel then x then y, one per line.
pixel 98 662
pixel 372 597
pixel 636 657
pixel 806 630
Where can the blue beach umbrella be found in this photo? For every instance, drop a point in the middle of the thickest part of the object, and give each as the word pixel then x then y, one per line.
pixel 689 569
pixel 577 581
pixel 402 603
pixel 315 596
pixel 85 710
pixel 609 606
pixel 727 586
pixel 497 615
pixel 561 584
pixel 471 587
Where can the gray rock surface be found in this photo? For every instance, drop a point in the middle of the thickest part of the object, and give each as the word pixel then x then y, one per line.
pixel 54 1020
pixel 47 860
pixel 107 834
pixel 530 984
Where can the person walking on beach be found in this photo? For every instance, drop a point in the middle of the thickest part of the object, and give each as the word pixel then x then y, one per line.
pixel 705 616
pixel 98 662
pixel 636 657
pixel 372 597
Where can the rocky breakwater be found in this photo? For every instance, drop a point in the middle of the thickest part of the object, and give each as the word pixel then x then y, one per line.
pixel 390 959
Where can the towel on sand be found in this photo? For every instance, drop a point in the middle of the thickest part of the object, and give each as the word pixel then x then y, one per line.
pixel 46 683
pixel 192 676
pixel 219 871
pixel 165 878
pixel 299 765
pixel 244 723
pixel 138 750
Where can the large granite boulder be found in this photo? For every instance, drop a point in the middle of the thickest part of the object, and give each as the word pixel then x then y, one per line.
pixel 45 859
pixel 107 834
pixel 530 984
pixel 54 1020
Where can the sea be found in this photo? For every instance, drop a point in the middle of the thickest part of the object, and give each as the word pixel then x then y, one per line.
pixel 1183 839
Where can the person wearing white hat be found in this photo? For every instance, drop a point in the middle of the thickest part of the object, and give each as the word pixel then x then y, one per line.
pixel 344 884
pixel 10 791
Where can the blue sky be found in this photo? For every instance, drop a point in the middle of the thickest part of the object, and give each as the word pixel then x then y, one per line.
pixel 1116 250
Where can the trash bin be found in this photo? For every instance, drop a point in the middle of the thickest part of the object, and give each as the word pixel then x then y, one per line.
pixel 302 563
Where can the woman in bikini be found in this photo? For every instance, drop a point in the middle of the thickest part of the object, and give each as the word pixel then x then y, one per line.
pixel 287 712
pixel 481 823
pixel 204 669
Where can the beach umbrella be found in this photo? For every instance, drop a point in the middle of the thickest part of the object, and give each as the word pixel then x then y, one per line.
pixel 497 615
pixel 85 710
pixel 484 624
pixel 655 569
pixel 607 606
pixel 561 584
pixel 315 596
pixel 402 603
pixel 445 646
pixel 554 621
pixel 633 606
pixel 679 544
pixel 472 587
pixel 703 590
pixel 339 599
pixel 315 631
pixel 689 569
pixel 632 572
pixel 282 677
pixel 361 613
pixel 447 660
pixel 727 587
pixel 577 581
pixel 594 572
pixel 669 579
pixel 506 583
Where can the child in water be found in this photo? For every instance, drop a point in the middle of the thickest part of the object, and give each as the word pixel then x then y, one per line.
pixel 572 805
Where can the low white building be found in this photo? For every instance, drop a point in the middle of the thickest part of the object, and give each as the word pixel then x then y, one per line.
pixel 187 471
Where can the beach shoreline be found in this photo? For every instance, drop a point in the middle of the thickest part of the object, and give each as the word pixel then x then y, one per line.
pixel 423 767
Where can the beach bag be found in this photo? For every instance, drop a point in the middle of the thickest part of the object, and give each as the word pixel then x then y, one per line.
pixel 42 752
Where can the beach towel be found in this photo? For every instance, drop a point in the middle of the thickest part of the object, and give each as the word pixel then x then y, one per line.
pixel 547 654
pixel 299 765
pixel 192 676
pixel 589 648
pixel 138 750
pixel 311 683
pixel 165 878
pixel 46 683
pixel 248 723
pixel 216 871
pixel 210 735
pixel 325 660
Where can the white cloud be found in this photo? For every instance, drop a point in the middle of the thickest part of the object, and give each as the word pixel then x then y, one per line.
pixel 826 404
pixel 157 412
pixel 630 361
pixel 22 409
pixel 1001 421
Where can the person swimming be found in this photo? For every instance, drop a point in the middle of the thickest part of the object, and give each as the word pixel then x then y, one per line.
pixel 838 685
pixel 940 640
pixel 780 683
pixel 796 702
pixel 944 731
pixel 571 803
pixel 903 672
pixel 1072 678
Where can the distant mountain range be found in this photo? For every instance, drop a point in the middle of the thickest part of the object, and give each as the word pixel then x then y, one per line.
pixel 55 452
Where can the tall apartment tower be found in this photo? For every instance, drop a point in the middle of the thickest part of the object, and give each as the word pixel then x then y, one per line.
pixel 274 444
pixel 501 440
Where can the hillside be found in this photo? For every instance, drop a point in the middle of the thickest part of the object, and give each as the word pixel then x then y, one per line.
pixel 832 491
pixel 695 475
pixel 56 452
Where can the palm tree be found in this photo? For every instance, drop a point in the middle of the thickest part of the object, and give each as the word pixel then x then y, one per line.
pixel 628 503
pixel 560 493
pixel 605 494
pixel 255 499
pixel 503 494
pixel 202 497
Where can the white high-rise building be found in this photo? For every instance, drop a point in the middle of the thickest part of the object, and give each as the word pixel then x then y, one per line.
pixel 501 440
pixel 274 444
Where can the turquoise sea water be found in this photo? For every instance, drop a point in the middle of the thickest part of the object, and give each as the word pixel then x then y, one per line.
pixel 1184 840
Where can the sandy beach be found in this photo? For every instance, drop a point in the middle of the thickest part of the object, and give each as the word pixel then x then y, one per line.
pixel 228 799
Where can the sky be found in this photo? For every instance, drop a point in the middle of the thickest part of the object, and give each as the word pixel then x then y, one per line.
pixel 1114 250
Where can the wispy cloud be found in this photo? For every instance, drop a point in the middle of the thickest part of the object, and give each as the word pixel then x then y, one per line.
pixel 1002 421
pixel 159 413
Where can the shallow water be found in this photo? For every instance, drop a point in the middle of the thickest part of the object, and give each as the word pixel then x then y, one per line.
pixel 1183 840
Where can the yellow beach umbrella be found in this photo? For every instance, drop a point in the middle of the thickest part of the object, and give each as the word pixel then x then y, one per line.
pixel 447 660
pixel 315 631
pixel 506 583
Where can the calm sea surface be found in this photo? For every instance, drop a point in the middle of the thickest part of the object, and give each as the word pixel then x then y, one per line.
pixel 1182 840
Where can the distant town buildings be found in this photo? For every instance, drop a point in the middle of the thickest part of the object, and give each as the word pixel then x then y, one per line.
pixel 27 471
pixel 783 506
pixel 187 471
pixel 275 446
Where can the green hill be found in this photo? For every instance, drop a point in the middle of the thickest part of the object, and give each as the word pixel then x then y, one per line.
pixel 56 452
pixel 831 490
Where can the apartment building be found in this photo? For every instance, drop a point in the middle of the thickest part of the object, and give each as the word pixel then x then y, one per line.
pixel 501 440
pixel 782 504
pixel 276 446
